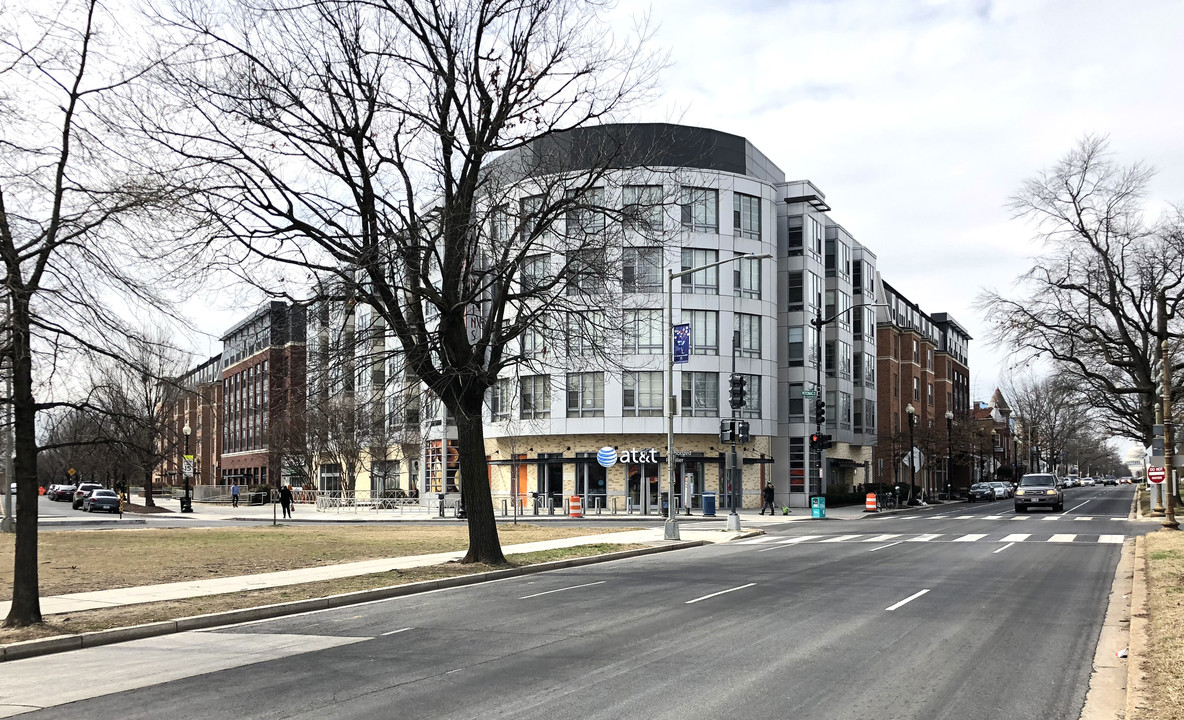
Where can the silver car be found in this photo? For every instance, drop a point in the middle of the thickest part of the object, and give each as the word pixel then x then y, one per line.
pixel 1039 490
pixel 1002 490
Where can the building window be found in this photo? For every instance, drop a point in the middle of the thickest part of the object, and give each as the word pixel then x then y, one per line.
pixel 795 290
pixel 642 394
pixel 643 332
pixel 534 339
pixel 916 353
pixel 747 280
pixel 330 477
pixel 797 347
pixel 797 465
pixel 814 290
pixel 869 370
pixel 499 400
pixel 844 411
pixel 857 370
pixel 704 331
pixel 917 389
pixel 536 270
pixel 704 282
pixel 832 413
pixel 530 208
pixel 700 209
pixel 535 400
pixel 641 270
pixel 384 477
pixel 585 213
pixel 746 215
pixel 857 277
pixel 930 394
pixel 585 333
pixel 816 236
pixel 797 405
pixel 749 327
pixel 586 272
pixel 642 207
pixel 794 236
pixel 700 394
pixel 929 353
pixel 843 357
pixel 585 394
pixel 869 416
pixel 752 403
pixel 895 385
pixel 830 358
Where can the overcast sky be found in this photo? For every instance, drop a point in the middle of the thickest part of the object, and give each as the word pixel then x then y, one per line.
pixel 919 119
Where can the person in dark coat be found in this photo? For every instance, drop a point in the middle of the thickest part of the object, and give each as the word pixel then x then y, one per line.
pixel 768 495
pixel 286 500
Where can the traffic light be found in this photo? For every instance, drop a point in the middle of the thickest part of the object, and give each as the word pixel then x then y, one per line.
pixel 827 443
pixel 736 391
pixel 820 411
pixel 742 435
pixel 725 431
pixel 816 441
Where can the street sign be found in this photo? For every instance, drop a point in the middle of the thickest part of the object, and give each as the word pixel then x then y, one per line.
pixel 1157 474
pixel 809 393
pixel 682 344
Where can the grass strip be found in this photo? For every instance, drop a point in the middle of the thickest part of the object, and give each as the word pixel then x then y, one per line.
pixel 1164 658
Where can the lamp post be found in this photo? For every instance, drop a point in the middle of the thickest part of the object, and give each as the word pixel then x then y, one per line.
pixel 912 413
pixel 949 453
pixel 186 470
pixel 993 464
pixel 671 530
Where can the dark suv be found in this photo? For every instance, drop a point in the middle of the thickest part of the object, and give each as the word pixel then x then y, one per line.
pixel 1039 490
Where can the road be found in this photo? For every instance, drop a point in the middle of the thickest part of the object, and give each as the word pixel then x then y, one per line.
pixel 962 611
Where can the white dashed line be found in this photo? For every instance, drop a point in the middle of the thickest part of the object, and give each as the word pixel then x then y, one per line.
pixel 907 600
pixel 924 538
pixel 1062 538
pixel 721 592
pixel 974 537
pixel 1018 537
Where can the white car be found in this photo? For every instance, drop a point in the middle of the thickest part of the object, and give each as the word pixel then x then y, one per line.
pixel 1088 482
pixel 1002 490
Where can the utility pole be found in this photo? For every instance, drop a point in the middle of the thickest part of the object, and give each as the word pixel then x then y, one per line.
pixel 1169 520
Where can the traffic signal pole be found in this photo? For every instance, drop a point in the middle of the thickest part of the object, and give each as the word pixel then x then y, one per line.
pixel 736 471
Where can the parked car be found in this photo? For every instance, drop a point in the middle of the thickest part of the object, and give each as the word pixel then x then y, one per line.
pixel 1039 490
pixel 80 494
pixel 981 491
pixel 1088 482
pixel 1071 481
pixel 1110 481
pixel 1002 490
pixel 60 492
pixel 101 499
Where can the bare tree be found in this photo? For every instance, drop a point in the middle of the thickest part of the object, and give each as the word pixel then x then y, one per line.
pixel 85 214
pixel 427 155
pixel 1088 304
pixel 1051 410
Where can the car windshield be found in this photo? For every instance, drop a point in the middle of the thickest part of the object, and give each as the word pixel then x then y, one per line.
pixel 980 486
pixel 105 493
pixel 1029 480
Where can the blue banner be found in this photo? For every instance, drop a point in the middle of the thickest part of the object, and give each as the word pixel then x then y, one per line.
pixel 682 343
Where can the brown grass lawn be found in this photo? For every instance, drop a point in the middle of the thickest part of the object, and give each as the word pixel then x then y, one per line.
pixel 92 620
pixel 1165 600
pixel 85 560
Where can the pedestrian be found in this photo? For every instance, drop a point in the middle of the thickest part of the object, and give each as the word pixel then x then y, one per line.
pixel 286 500
pixel 234 491
pixel 768 495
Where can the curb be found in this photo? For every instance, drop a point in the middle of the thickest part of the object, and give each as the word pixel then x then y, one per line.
pixel 1136 679
pixel 1108 691
pixel 64 643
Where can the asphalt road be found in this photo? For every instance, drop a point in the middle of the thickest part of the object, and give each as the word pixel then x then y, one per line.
pixel 960 611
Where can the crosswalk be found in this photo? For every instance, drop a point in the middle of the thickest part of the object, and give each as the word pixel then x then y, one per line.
pixel 778 540
pixel 1009 517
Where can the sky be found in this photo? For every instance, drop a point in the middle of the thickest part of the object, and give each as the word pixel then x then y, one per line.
pixel 919 119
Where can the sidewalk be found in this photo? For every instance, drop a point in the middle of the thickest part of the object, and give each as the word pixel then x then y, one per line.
pixel 691 529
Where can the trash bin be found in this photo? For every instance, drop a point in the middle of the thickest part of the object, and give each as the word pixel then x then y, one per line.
pixel 708 503
pixel 818 508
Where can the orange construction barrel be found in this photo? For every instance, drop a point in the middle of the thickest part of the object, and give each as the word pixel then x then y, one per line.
pixel 870 505
pixel 576 505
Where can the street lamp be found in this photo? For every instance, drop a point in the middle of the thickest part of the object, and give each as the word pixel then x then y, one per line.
pixel 186 470
pixel 671 530
pixel 993 464
pixel 949 453
pixel 912 413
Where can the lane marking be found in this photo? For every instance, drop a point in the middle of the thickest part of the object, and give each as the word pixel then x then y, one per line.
pixel 759 540
pixel 840 538
pixel 1083 517
pixel 573 587
pixel 1062 538
pixel 909 599
pixel 1019 519
pixel 1074 508
pixel 973 537
pixel 882 538
pixel 1003 548
pixel 924 538
pixel 886 546
pixel 791 541
pixel 394 632
pixel 1016 537
pixel 721 592
pixel 1116 539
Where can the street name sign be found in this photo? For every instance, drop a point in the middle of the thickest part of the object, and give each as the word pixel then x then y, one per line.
pixel 809 393
pixel 1156 474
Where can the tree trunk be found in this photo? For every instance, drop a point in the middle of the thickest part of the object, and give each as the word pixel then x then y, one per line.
pixel 484 545
pixel 148 501
pixel 26 602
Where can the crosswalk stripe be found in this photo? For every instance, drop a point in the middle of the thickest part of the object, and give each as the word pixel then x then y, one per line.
pixel 1085 517
pixel 939 517
pixel 759 540
pixel 964 517
pixel 1116 539
pixel 798 539
pixel 881 538
pixel 1119 519
pixel 974 537
pixel 1053 518
pixel 840 538
pixel 993 517
pixel 1062 538
pixel 1018 519
pixel 1018 537
pixel 924 538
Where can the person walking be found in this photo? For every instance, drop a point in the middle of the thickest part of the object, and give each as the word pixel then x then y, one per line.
pixel 768 495
pixel 234 491
pixel 286 500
